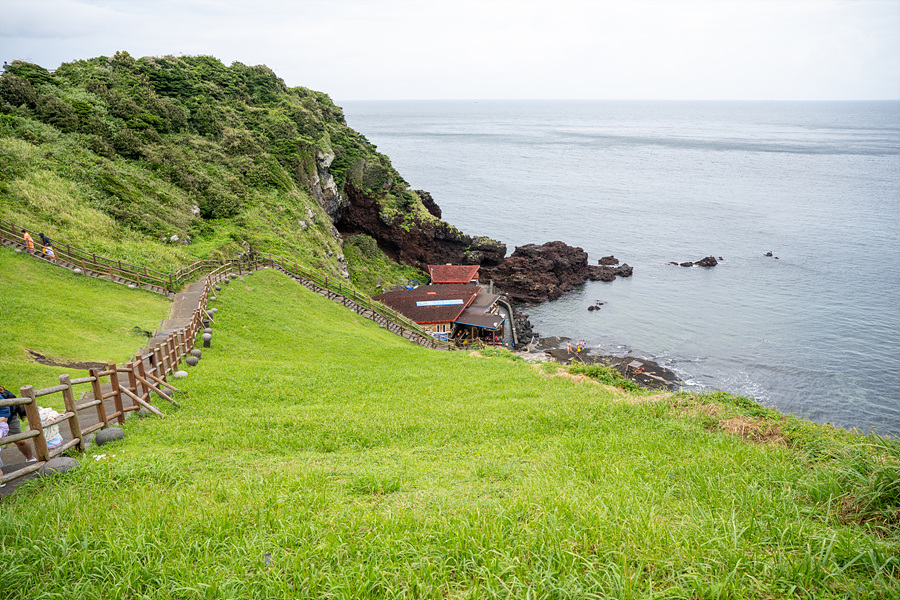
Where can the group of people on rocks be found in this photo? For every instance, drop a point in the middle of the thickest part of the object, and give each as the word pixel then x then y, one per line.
pixel 10 424
pixel 46 244
pixel 577 348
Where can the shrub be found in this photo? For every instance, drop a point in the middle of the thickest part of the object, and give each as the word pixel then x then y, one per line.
pixel 604 374
pixel 127 143
pixel 101 147
pixel 17 91
pixel 53 111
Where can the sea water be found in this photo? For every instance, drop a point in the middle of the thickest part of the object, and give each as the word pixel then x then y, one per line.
pixel 813 330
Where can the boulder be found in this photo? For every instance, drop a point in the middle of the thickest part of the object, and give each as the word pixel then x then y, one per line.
pixel 132 286
pixel 206 337
pixel 77 271
pixel 180 375
pixel 60 464
pixel 212 298
pixel 540 273
pixel 110 434
pixel 197 352
pixel 608 261
pixel 208 330
pixel 218 288
pixel 687 264
pixel 192 361
pixel 625 270
pixel 709 261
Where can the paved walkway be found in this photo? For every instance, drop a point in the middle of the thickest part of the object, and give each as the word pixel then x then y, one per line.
pixel 13 459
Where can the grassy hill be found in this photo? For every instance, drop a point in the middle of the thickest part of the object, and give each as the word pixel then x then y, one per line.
pixel 316 455
pixel 117 155
pixel 66 318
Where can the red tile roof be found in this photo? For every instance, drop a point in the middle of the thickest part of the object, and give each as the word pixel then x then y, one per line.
pixel 431 303
pixel 461 274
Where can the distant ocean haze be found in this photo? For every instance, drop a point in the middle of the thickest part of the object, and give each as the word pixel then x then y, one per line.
pixel 815 331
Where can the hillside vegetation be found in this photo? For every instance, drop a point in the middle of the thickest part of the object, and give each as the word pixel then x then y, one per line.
pixel 316 455
pixel 67 319
pixel 118 154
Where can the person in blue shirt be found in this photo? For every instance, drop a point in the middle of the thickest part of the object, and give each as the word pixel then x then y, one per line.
pixel 11 418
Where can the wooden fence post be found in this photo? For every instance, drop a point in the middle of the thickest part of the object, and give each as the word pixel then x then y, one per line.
pixel 159 366
pixel 117 392
pixel 170 347
pixel 74 422
pixel 132 383
pixel 98 395
pixel 34 423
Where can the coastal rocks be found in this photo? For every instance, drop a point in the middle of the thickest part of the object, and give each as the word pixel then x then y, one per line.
pixel 607 261
pixel 708 262
pixel 595 306
pixel 540 273
pixel 324 188
pixel 429 203
pixel 523 327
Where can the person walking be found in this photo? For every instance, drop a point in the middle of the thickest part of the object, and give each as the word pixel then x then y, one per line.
pixel 29 241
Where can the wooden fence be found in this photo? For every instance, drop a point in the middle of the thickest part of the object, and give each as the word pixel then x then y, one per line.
pixel 91 264
pixel 130 386
pixel 168 284
pixel 145 374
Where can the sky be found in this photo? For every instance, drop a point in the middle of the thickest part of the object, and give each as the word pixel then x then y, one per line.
pixel 496 49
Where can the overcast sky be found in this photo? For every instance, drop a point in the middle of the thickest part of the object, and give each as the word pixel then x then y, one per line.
pixel 557 49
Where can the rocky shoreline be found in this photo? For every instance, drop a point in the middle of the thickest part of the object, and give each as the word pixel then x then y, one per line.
pixel 649 374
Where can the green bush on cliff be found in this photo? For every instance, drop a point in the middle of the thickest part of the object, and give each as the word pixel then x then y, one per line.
pixel 371 270
pixel 147 142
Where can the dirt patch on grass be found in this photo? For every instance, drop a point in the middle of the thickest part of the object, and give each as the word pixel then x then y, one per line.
pixel 753 429
pixel 575 378
pixel 713 411
pixel 52 362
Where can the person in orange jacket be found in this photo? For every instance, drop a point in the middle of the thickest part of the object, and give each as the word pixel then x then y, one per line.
pixel 29 241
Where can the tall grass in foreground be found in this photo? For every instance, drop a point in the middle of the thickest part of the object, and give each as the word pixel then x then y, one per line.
pixel 318 456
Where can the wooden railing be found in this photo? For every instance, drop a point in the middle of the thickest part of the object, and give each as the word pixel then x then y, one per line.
pixel 89 262
pixel 132 384
pixel 129 385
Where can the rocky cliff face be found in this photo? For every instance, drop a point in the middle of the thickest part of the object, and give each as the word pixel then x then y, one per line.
pixel 419 242
pixel 531 274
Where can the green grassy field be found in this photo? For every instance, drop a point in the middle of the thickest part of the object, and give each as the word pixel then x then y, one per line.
pixel 66 318
pixel 315 455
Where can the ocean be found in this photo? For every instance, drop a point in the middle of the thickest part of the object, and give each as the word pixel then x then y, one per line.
pixel 813 330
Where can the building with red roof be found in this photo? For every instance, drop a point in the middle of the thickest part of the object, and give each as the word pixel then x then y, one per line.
pixel 448 310
pixel 454 274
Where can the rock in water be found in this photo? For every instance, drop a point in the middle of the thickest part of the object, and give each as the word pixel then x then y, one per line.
pixel 540 273
pixel 709 261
